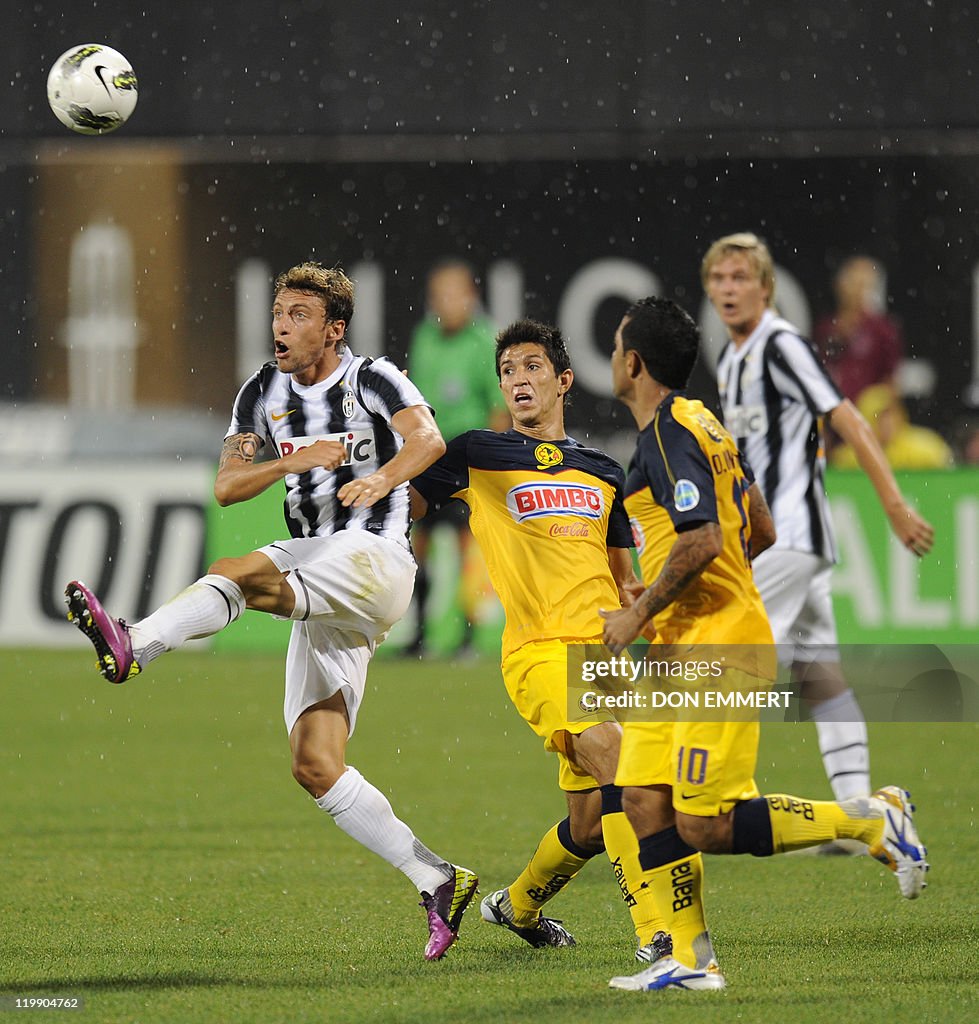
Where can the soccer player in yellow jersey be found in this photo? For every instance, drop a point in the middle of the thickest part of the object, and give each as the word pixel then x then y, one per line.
pixel 688 786
pixel 547 513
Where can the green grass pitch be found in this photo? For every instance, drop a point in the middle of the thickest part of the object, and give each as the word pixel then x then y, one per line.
pixel 158 861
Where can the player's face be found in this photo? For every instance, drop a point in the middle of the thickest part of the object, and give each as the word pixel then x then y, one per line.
pixel 857 285
pixel 304 337
pixel 531 389
pixel 736 291
pixel 452 298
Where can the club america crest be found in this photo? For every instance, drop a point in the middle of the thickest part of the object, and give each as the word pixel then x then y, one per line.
pixel 548 455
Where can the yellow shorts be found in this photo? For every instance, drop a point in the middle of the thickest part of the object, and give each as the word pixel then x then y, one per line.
pixel 536 677
pixel 709 764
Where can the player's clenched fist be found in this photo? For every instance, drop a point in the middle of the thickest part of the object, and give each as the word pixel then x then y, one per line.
pixel 318 455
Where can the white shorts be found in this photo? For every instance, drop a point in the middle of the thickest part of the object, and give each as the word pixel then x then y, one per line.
pixel 350 588
pixel 795 587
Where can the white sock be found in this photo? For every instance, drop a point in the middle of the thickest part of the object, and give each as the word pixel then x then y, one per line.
pixel 365 814
pixel 203 609
pixel 842 734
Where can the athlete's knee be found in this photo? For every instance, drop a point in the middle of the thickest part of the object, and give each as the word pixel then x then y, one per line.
pixel 706 834
pixel 588 835
pixel 258 578
pixel 317 772
pixel 648 808
pixel 606 736
pixel 584 820
pixel 819 681
pixel 231 568
pixel 596 750
pixel 633 802
pixel 644 809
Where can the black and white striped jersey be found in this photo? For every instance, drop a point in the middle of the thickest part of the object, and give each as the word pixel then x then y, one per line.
pixel 354 405
pixel 774 393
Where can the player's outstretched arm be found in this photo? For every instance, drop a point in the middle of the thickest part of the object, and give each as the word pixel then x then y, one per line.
pixel 914 532
pixel 423 445
pixel 692 551
pixel 240 477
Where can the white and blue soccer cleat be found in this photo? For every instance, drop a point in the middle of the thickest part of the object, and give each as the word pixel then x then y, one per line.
pixel 665 972
pixel 899 847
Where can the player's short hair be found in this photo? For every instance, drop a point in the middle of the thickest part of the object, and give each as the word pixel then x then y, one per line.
pixel 534 332
pixel 747 244
pixel 331 284
pixel 665 338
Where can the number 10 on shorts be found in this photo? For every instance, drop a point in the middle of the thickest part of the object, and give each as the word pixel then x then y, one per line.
pixel 691 765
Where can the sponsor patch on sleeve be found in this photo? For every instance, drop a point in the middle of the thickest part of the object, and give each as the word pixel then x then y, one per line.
pixel 685 495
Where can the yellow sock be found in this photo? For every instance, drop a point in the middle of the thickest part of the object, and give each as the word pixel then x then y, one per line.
pixel 555 862
pixel 622 848
pixel 797 823
pixel 674 875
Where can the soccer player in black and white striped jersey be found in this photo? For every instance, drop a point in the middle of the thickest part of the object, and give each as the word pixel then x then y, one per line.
pixel 345 434
pixel 774 395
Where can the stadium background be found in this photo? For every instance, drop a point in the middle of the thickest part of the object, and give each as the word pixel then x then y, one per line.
pixel 577 156
pixel 155 857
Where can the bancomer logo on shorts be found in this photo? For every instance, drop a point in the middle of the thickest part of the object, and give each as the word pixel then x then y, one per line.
pixel 359 444
pixel 533 500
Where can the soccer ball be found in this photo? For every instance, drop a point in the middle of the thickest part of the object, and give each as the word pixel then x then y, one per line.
pixel 92 89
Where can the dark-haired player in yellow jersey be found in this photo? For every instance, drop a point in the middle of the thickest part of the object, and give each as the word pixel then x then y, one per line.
pixel 689 785
pixel 547 513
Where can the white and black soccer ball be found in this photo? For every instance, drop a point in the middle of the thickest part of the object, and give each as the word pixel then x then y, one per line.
pixel 92 89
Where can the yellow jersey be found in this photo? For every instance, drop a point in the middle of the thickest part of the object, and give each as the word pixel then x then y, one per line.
pixel 544 514
pixel 687 470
